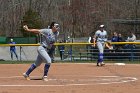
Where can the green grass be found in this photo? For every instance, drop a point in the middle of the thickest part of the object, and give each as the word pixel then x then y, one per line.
pixel 77 61
pixel 16 62
pixel 107 61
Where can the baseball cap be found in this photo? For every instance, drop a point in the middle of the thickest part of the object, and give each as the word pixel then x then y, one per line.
pixel 101 26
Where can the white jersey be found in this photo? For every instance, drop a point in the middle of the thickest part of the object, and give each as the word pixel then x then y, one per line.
pixel 101 36
pixel 48 37
pixel 131 39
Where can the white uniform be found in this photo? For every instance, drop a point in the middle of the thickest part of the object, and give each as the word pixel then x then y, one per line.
pixel 101 38
pixel 131 39
pixel 47 39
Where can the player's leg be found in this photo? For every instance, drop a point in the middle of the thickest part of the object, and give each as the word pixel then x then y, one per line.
pixel 45 56
pixel 15 54
pixel 51 53
pixel 60 54
pixel 11 52
pixel 32 67
pixel 63 55
pixel 103 46
pixel 100 55
pixel 46 69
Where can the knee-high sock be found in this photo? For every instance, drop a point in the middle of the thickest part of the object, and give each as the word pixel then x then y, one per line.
pixel 32 67
pixel 46 69
pixel 100 57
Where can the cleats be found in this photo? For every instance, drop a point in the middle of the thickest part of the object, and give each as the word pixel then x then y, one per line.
pixel 100 64
pixel 26 76
pixel 45 78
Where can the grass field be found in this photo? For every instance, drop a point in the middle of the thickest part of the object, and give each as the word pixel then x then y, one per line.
pixel 29 62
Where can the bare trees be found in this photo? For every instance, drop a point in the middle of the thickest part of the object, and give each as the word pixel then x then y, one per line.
pixel 11 14
pixel 78 18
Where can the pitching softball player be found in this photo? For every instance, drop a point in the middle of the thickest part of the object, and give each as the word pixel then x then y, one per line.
pixel 48 37
pixel 100 39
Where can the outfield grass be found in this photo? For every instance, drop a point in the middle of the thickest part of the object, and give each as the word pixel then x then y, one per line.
pixel 16 62
pixel 127 62
pixel 29 62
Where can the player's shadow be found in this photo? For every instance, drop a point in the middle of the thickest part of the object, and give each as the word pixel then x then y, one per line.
pixel 36 78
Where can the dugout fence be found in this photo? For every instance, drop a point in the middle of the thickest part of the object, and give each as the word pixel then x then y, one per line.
pixel 74 52
pixel 82 51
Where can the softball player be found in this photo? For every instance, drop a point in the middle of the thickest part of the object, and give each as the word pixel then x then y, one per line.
pixel 48 37
pixel 100 39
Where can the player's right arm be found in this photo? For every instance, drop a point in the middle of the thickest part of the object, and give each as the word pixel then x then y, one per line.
pixel 95 38
pixel 25 27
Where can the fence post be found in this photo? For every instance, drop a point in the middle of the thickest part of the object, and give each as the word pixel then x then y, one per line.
pixel 71 52
pixel 132 53
pixel 20 52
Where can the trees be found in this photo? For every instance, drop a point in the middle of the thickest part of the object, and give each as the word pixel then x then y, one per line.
pixel 31 19
pixel 77 17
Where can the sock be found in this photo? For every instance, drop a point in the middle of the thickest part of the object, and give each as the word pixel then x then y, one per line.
pixel 100 57
pixel 33 66
pixel 46 69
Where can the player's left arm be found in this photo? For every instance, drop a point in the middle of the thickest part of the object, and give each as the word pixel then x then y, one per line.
pixel 94 40
pixel 107 44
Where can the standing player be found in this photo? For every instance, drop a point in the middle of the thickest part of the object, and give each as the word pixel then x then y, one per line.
pixel 48 36
pixel 100 39
pixel 13 49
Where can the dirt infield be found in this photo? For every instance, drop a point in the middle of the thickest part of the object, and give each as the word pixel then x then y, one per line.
pixel 71 78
